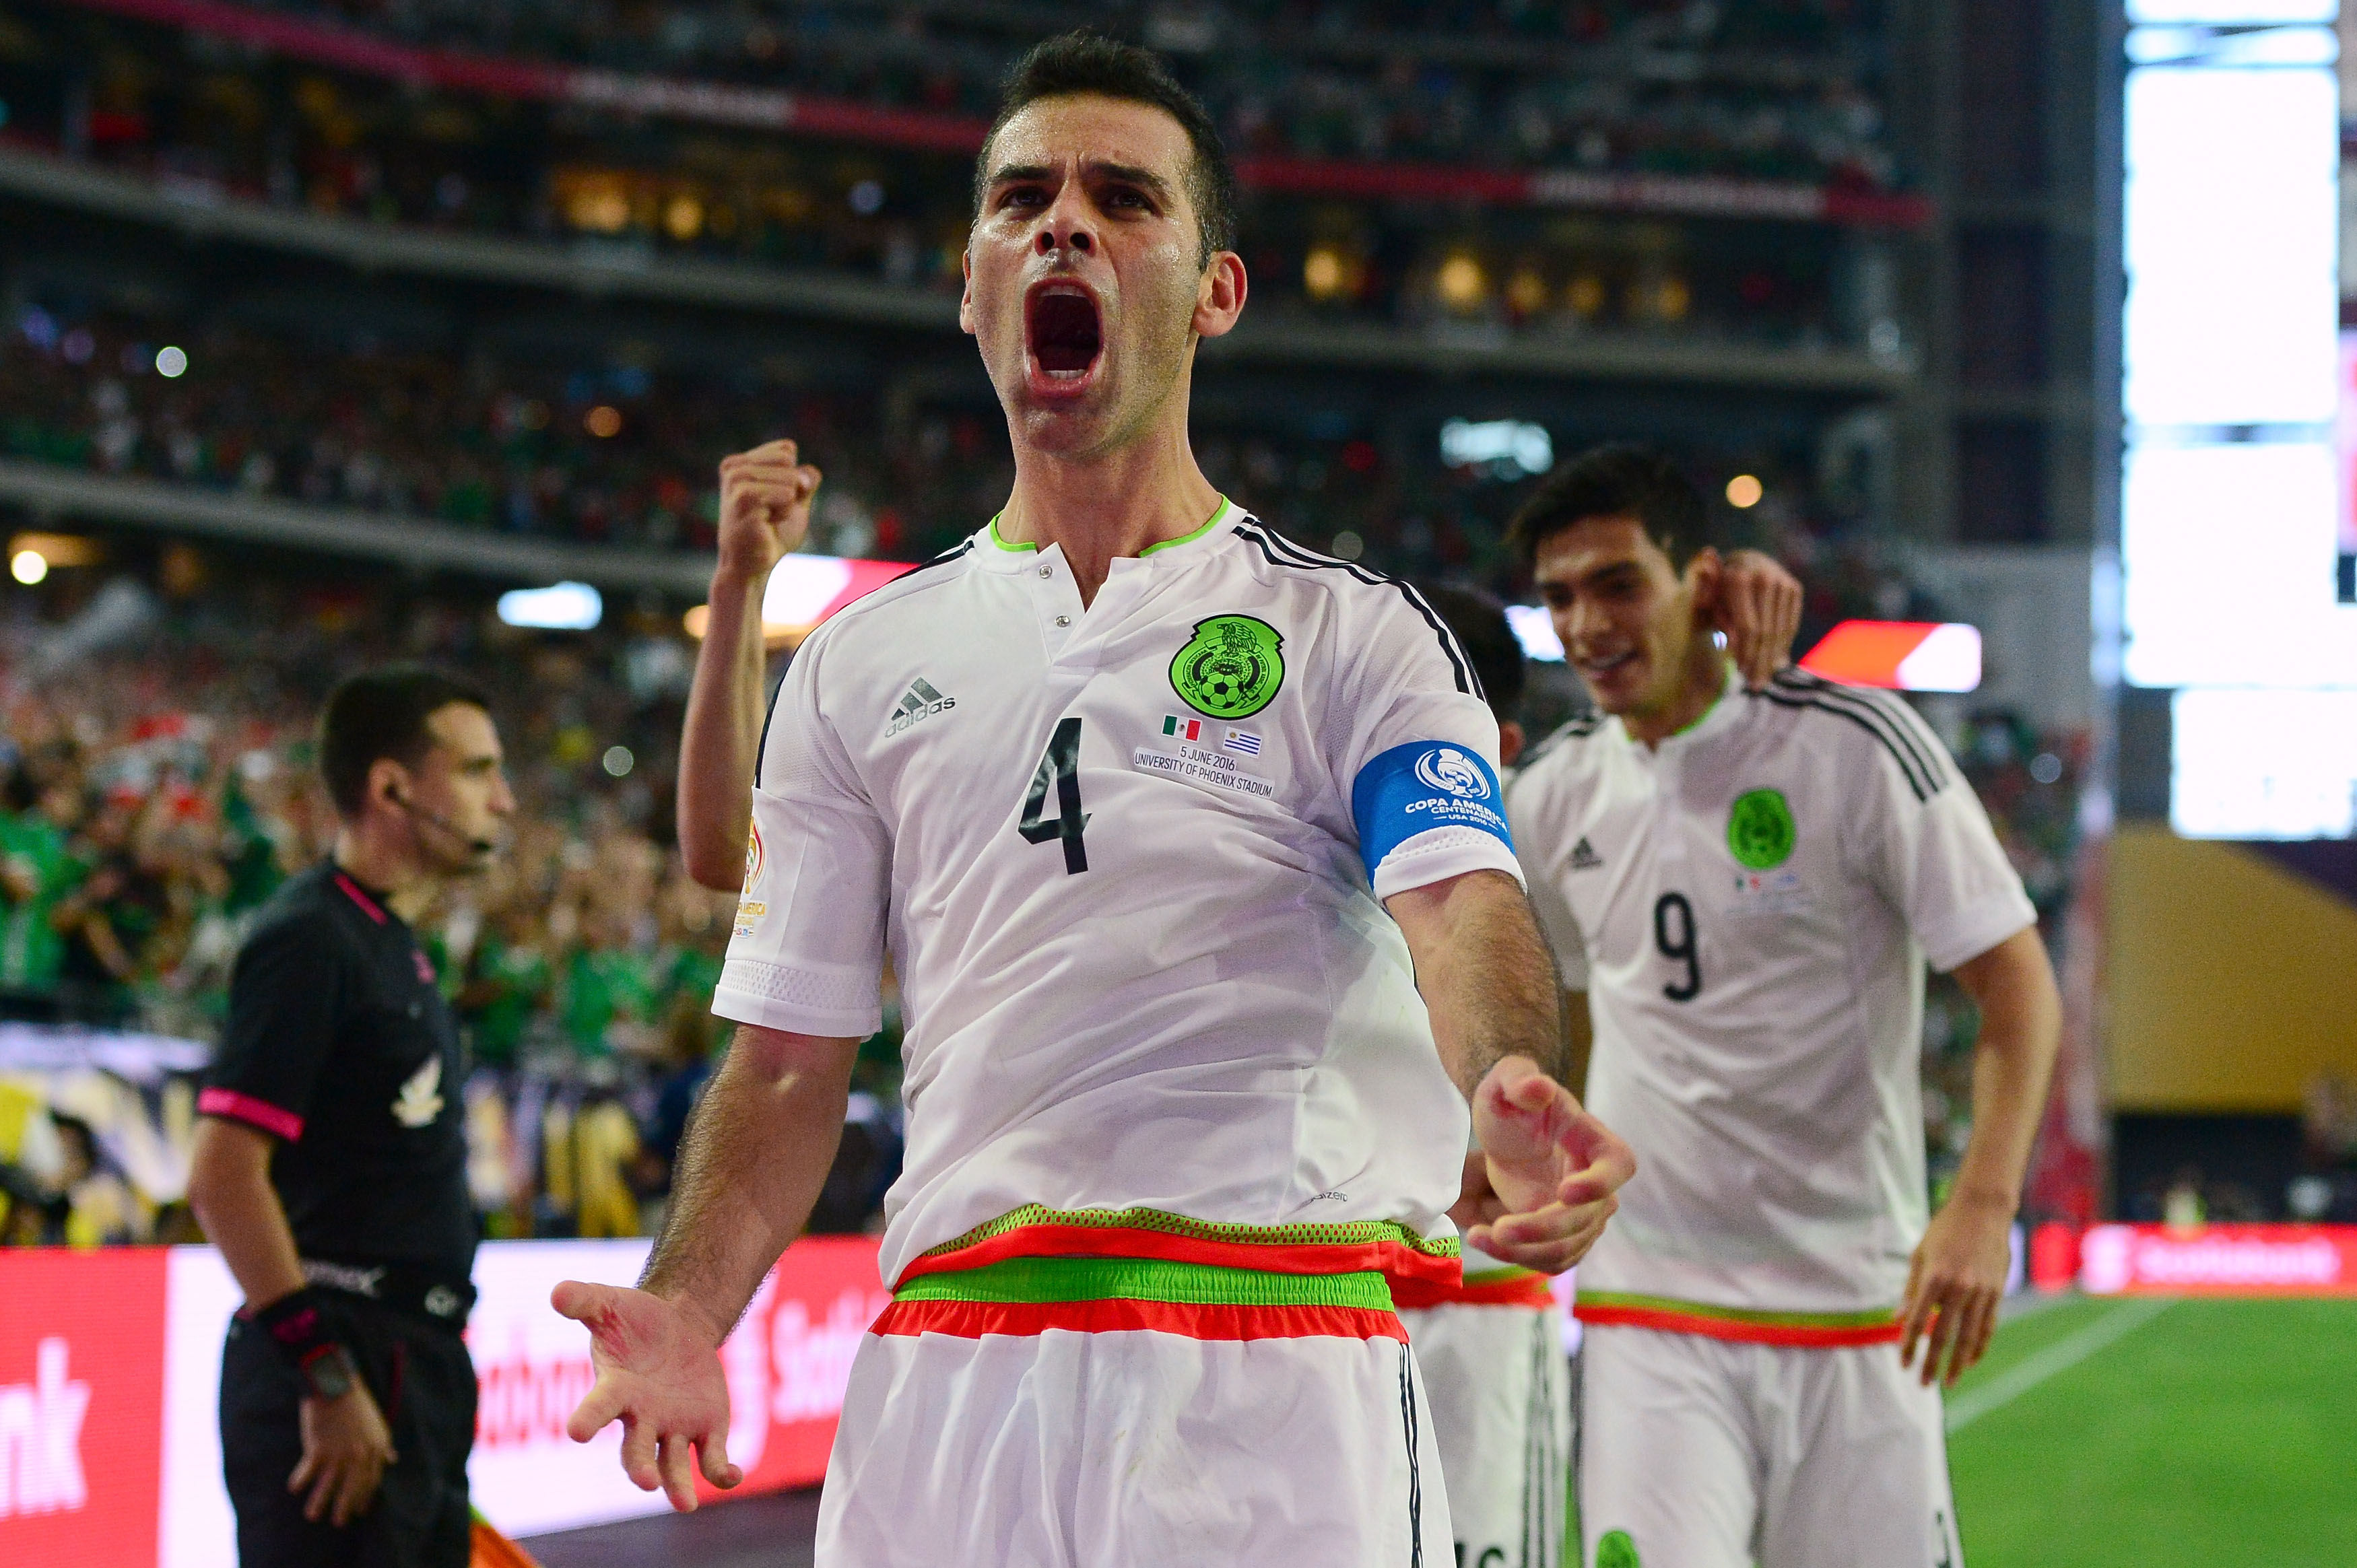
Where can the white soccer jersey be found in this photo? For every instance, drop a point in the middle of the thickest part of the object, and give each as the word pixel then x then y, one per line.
pixel 1749 907
pixel 1127 862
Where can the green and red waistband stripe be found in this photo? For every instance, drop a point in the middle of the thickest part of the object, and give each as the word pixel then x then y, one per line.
pixel 1096 1272
pixel 1382 1247
pixel 1524 1288
pixel 1809 1330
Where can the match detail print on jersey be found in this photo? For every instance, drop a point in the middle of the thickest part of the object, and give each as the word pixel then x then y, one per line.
pixel 1231 667
pixel 1419 787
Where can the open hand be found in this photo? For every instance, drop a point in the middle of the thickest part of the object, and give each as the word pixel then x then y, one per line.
pixel 346 1447
pixel 765 506
pixel 659 1373
pixel 1953 1285
pixel 1759 608
pixel 1540 1190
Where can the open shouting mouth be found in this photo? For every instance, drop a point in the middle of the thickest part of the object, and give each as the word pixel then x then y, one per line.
pixel 1064 339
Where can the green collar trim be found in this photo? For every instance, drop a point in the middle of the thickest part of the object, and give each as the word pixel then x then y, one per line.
pixel 1218 515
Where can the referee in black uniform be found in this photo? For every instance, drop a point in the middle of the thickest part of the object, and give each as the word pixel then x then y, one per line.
pixel 330 1159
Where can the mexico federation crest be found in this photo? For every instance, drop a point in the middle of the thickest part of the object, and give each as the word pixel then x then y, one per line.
pixel 1759 831
pixel 1231 668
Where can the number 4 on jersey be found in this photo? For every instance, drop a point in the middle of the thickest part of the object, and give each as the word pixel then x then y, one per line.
pixel 1061 766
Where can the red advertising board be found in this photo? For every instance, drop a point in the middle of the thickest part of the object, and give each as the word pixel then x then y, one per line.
pixel 109 1361
pixel 790 1358
pixel 2219 1260
pixel 82 1399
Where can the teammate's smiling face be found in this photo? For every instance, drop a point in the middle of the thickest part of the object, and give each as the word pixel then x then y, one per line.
pixel 1086 284
pixel 1632 624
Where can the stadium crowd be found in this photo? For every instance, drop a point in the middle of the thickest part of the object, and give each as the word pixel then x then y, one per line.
pixel 199 117
pixel 599 452
pixel 1769 88
pixel 154 800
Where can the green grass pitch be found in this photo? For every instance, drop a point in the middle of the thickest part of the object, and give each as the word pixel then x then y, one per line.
pixel 2218 1432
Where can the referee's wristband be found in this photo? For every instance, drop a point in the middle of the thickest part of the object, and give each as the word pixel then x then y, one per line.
pixel 296 1327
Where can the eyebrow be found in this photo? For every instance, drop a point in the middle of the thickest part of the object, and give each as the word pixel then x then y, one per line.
pixel 1128 173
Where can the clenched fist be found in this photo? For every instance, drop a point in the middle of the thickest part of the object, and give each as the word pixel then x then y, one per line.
pixel 765 506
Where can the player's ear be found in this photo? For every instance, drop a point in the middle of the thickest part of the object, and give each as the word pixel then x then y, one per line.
pixel 966 289
pixel 1220 298
pixel 1705 574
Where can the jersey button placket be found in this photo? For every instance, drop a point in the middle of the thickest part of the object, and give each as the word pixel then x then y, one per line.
pixel 1059 606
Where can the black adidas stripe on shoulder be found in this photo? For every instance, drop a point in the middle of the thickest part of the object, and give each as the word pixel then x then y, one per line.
pixel 1920 756
pixel 1580 727
pixel 1926 747
pixel 761 746
pixel 1279 550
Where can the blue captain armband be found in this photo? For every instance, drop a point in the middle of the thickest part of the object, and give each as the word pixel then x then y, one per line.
pixel 1417 788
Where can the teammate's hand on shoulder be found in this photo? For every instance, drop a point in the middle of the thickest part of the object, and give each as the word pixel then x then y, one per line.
pixel 1760 610
pixel 1548 1171
pixel 765 504
pixel 659 1373
pixel 346 1447
pixel 1954 1283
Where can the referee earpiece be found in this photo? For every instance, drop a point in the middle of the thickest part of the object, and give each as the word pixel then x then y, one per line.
pixel 480 847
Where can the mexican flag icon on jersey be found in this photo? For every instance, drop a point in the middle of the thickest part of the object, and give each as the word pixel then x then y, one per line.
pixel 1184 729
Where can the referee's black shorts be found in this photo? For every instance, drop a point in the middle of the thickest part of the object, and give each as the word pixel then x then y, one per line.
pixel 425 1383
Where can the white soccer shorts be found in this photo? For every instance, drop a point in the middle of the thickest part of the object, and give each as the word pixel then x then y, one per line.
pixel 1702 1453
pixel 1013 1410
pixel 1500 1390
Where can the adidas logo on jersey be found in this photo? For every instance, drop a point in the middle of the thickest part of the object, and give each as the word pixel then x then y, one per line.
pixel 1583 858
pixel 920 704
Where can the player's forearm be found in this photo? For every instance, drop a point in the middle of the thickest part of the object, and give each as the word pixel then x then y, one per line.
pixel 2013 1064
pixel 1488 981
pixel 231 1195
pixel 722 730
pixel 749 1169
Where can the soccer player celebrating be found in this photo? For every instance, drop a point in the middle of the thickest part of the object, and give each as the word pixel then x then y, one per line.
pixel 1184 845
pixel 1746 887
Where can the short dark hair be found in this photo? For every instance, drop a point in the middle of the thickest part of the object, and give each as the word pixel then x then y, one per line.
pixel 1488 641
pixel 1086 63
pixel 1619 479
pixel 380 714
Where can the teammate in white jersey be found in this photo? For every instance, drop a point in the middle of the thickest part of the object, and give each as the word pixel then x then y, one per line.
pixel 1746 887
pixel 1187 866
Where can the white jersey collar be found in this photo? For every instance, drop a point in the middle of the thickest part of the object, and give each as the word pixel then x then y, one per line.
pixel 1722 713
pixel 994 553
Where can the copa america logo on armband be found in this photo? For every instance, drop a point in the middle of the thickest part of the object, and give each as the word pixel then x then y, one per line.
pixel 1450 771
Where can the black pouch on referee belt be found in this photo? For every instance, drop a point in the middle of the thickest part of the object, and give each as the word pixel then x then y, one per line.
pixel 418 1293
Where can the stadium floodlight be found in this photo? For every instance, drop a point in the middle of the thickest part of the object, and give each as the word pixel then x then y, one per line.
pixel 2234 13
pixel 29 567
pixel 564 606
pixel 1467 444
pixel 1534 630
pixel 1899 655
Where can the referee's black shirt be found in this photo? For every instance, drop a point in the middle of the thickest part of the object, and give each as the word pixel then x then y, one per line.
pixel 338 1044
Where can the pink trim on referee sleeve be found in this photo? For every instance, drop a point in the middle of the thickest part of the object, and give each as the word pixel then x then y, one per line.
pixel 245 1108
pixel 352 891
